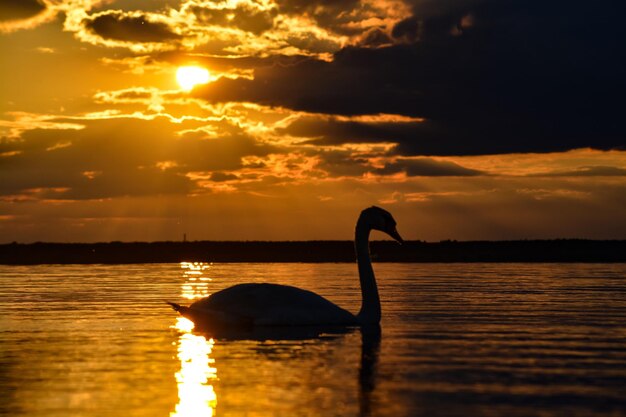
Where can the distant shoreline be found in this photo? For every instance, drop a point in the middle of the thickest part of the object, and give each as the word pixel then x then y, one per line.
pixel 559 250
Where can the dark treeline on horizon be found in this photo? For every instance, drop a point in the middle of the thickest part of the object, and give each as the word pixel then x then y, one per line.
pixel 560 250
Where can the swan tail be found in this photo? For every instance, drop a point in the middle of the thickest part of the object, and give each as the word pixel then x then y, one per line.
pixel 176 307
pixel 182 310
pixel 211 319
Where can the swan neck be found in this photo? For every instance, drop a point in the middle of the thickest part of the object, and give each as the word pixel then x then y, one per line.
pixel 370 305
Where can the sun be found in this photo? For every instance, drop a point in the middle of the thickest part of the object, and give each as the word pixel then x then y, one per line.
pixel 190 76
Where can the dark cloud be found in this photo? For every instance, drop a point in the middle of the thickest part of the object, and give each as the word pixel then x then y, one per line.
pixel 139 181
pixel 425 167
pixel 434 20
pixel 221 177
pixel 303 6
pixel 471 138
pixel 135 157
pixel 342 162
pixel 334 15
pixel 408 29
pixel 19 9
pixel 376 38
pixel 133 95
pixel 336 88
pixel 335 132
pixel 489 77
pixel 345 163
pixel 589 171
pixel 111 158
pixel 116 25
pixel 220 63
pixel 243 17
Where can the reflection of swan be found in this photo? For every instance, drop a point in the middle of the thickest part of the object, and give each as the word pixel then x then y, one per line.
pixel 281 305
pixel 370 349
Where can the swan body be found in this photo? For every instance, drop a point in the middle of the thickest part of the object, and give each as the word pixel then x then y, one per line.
pixel 270 305
pixel 282 305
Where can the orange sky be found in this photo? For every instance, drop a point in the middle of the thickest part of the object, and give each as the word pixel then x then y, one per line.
pixel 313 111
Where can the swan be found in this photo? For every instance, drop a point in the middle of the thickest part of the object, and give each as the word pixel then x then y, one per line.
pixel 283 305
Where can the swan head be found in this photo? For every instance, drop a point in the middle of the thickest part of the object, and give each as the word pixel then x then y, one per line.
pixel 376 218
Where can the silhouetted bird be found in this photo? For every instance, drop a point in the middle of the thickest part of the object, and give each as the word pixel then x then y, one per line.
pixel 283 305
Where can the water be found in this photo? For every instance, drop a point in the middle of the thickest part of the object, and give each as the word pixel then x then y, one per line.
pixel 461 339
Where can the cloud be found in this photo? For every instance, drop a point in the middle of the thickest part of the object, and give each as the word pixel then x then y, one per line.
pixel 20 9
pixel 423 167
pixel 488 78
pixel 131 27
pixel 588 171
pixel 124 156
pixel 250 17
pixel 334 131
pixel 27 14
pixel 547 164
pixel 231 29
pixel 221 177
pixel 338 87
pixel 23 121
pixel 239 27
pixel 351 18
pixel 109 154
pixel 344 162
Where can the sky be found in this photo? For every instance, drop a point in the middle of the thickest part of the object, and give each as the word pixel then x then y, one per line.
pixel 466 119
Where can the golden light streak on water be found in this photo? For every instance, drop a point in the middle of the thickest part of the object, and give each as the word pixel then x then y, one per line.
pixel 196 285
pixel 196 395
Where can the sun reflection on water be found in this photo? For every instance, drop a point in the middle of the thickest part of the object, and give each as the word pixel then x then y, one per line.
pixel 196 284
pixel 196 395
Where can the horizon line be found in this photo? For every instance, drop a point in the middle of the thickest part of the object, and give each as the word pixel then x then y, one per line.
pixel 39 242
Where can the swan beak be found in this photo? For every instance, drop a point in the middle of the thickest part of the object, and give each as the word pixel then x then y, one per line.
pixel 394 234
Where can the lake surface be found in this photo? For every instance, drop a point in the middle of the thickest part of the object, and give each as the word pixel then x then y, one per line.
pixel 456 340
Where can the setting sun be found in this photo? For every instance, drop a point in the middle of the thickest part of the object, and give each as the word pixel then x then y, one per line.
pixel 190 76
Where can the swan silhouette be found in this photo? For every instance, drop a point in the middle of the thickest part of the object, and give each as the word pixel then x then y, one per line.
pixel 256 305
